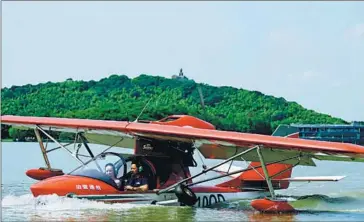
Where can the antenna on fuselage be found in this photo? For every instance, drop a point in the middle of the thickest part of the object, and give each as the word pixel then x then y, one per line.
pixel 136 120
pixel 201 97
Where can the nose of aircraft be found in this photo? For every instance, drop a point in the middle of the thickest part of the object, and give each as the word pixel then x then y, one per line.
pixel 66 184
pixel 53 185
pixel 36 189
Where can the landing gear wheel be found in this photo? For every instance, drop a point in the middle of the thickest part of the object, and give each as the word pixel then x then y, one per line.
pixel 185 195
pixel 154 202
pixel 70 195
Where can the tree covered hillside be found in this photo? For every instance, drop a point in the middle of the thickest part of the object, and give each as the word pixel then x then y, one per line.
pixel 120 98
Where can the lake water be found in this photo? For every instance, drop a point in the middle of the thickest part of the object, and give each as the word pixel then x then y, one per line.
pixel 319 201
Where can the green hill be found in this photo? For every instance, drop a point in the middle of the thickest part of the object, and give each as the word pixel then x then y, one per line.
pixel 121 98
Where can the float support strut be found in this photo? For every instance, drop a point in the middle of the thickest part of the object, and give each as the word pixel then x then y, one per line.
pixel 267 178
pixel 44 151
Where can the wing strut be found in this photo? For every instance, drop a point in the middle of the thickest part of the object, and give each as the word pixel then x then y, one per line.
pixel 86 145
pixel 49 136
pixel 89 150
pixel 205 171
pixel 240 171
pixel 273 204
pixel 265 171
pixel 43 149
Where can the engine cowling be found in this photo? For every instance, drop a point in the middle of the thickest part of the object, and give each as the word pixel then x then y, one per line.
pixel 185 121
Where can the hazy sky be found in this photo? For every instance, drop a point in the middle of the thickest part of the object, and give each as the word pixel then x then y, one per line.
pixel 308 52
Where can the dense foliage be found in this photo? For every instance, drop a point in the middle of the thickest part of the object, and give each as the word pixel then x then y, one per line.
pixel 120 98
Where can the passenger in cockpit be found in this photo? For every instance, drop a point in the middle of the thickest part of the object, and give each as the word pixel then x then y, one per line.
pixel 111 172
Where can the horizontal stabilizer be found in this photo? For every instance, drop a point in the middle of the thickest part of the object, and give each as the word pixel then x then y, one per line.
pixel 315 178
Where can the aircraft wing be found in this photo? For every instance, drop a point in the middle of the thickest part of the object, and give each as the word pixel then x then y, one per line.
pixel 95 131
pixel 212 144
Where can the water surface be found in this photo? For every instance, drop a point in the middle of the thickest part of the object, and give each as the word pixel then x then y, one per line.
pixel 316 201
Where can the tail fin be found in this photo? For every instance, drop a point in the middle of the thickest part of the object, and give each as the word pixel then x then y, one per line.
pixel 254 178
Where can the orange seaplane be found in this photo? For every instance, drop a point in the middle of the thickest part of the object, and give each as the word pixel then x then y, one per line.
pixel 166 152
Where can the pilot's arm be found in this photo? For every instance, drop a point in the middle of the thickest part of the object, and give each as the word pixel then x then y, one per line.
pixel 144 185
pixel 128 187
pixel 128 181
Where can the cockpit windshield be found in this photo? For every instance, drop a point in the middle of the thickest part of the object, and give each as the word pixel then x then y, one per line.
pixel 105 167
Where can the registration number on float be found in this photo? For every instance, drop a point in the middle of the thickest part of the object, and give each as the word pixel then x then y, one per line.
pixel 87 187
pixel 204 201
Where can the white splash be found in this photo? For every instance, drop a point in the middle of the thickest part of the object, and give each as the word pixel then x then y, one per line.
pixel 54 202
pixel 53 207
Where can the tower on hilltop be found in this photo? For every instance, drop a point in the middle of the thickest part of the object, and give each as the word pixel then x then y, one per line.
pixel 180 75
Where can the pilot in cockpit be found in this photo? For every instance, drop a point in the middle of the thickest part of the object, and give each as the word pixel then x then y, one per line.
pixel 137 181
pixel 111 172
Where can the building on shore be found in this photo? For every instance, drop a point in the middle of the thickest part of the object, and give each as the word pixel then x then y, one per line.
pixel 180 75
pixel 350 133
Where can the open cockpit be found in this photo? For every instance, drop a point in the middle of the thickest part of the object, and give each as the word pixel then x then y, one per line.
pixel 162 163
